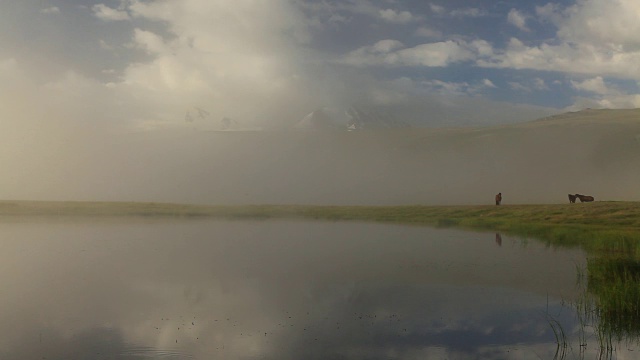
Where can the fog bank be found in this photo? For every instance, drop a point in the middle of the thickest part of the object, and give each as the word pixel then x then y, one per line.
pixel 536 162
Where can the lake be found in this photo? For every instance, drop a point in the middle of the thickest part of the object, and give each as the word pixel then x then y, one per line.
pixel 278 289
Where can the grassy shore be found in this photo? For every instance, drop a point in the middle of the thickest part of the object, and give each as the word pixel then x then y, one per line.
pixel 562 222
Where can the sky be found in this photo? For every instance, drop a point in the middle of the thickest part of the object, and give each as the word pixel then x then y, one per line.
pixel 94 95
pixel 138 65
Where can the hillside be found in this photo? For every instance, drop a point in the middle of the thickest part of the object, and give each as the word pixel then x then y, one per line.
pixel 594 115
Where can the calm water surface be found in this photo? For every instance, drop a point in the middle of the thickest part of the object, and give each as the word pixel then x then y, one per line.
pixel 285 290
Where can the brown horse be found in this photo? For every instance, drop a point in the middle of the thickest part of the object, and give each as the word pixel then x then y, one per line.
pixel 585 198
pixel 498 198
pixel 572 198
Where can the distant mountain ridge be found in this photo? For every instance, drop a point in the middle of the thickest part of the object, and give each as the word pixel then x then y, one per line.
pixel 357 118
pixel 595 115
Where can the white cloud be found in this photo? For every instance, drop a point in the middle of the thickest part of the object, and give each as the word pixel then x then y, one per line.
pixel 396 17
pixel 518 86
pixel 106 13
pixel 150 42
pixel 394 92
pixel 518 20
pixel 250 60
pixel 343 10
pixel 603 24
pixel 529 85
pixel 386 46
pixel 104 45
pixel 428 32
pixel 450 88
pixel 437 9
pixel 457 88
pixel 550 12
pixel 602 95
pixel 594 37
pixel 576 58
pixel 392 53
pixel 242 58
pixel 595 85
pixel 629 101
pixel 50 10
pixel 540 84
pixel 482 48
pixel 488 83
pixel 468 12
pixel 337 19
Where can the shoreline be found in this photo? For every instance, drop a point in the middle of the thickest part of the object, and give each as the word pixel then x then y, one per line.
pixel 611 215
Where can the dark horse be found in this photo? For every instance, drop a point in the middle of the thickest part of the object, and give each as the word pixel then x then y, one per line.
pixel 572 198
pixel 498 198
pixel 584 198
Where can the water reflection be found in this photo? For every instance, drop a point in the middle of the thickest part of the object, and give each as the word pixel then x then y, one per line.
pixel 279 290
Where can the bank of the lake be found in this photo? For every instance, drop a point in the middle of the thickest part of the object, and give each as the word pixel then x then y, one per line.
pixel 557 222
